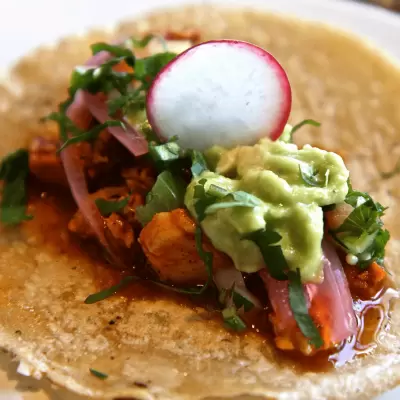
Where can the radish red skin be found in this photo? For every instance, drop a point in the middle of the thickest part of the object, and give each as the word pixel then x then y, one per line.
pixel 280 74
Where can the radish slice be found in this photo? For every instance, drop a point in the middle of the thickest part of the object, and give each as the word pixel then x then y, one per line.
pixel 223 93
pixel 130 138
pixel 333 292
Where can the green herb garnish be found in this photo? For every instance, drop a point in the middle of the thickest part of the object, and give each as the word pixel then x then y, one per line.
pixel 310 176
pixel 88 136
pixel 234 199
pixel 277 266
pixel 215 198
pixel 206 256
pixel 98 374
pixel 122 52
pixel 166 195
pixel 268 243
pixel 104 294
pixel 106 207
pixel 232 319
pixel 199 163
pixel 105 79
pixel 241 302
pixel 302 123
pixel 14 171
pixel 362 233
pixel 298 304
pixel 147 68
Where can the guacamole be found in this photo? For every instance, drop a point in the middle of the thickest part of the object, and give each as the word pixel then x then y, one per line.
pixel 292 185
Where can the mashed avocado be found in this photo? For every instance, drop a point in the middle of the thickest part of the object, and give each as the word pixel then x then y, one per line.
pixel 292 185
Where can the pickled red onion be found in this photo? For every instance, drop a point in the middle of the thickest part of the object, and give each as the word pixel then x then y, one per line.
pixel 334 291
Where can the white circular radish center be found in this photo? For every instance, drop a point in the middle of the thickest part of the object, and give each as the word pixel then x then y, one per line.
pixel 220 93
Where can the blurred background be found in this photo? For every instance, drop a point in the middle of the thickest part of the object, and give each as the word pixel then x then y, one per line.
pixel 54 19
pixel 391 4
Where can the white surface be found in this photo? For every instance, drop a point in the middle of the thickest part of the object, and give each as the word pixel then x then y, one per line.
pixel 27 23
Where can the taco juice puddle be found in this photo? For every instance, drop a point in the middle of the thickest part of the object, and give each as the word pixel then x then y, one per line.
pixel 229 214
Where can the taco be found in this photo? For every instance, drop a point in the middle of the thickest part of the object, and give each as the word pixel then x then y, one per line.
pixel 151 248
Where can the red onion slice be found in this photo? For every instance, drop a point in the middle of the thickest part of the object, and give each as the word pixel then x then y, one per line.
pixel 75 173
pixel 333 291
pixel 130 138
pixel 225 278
pixel 80 114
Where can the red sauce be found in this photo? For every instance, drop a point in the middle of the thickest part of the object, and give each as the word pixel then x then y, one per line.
pixel 53 207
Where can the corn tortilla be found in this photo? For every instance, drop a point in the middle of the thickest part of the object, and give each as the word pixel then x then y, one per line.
pixel 160 349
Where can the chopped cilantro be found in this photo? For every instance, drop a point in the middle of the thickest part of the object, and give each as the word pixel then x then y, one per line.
pixel 232 320
pixel 234 199
pixel 116 50
pixel 142 43
pixel 166 195
pixel 88 136
pixel 98 374
pixel 106 207
pixel 298 304
pixel 105 79
pixel 14 171
pixel 104 294
pixel 267 241
pixel 241 302
pixel 147 68
pixel 199 163
pixel 302 123
pixel 206 256
pixel 215 198
pixel 311 176
pixel 362 233
pixel 287 134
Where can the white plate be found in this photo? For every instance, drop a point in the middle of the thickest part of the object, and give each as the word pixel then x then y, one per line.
pixel 25 24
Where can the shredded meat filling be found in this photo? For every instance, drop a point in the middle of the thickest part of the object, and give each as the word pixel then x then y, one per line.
pixel 44 161
pixel 168 241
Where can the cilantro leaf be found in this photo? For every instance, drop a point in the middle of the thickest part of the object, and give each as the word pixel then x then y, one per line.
pixel 202 200
pixel 163 154
pixel 130 102
pixel 215 198
pixel 298 304
pixel 362 233
pixel 206 256
pixel 240 301
pixel 199 163
pixel 116 50
pixel 104 294
pixel 92 134
pixel 147 68
pixel 167 194
pixel 14 171
pixel 98 374
pixel 302 123
pixel 311 177
pixel 234 199
pixel 142 43
pixel 102 79
pixel 106 207
pixel 232 320
pixel 267 241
